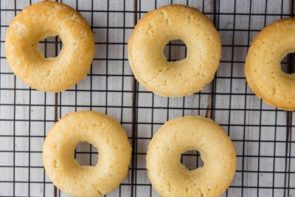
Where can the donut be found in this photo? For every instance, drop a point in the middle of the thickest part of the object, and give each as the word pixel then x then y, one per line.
pixel 37 22
pixel 174 78
pixel 170 178
pixel 263 64
pixel 106 135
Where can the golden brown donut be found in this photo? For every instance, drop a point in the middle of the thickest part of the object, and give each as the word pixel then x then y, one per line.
pixel 37 22
pixel 263 64
pixel 178 78
pixel 106 135
pixel 172 179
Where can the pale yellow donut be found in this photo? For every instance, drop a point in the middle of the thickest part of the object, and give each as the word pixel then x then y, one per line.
pixel 179 78
pixel 106 135
pixel 37 22
pixel 263 64
pixel 172 179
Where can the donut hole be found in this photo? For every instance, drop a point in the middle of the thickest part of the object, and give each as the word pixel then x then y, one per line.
pixel 86 154
pixel 191 159
pixel 175 50
pixel 50 47
pixel 288 63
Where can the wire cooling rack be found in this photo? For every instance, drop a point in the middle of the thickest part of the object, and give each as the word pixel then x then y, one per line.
pixel 262 135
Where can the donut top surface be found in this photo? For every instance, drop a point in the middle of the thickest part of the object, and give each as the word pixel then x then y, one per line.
pixel 263 64
pixel 37 22
pixel 178 78
pixel 98 129
pixel 170 178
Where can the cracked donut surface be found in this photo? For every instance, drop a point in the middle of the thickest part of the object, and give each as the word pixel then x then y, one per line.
pixel 37 22
pixel 170 178
pixel 174 78
pixel 97 129
pixel 263 64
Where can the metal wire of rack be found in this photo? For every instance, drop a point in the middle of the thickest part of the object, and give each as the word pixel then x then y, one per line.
pixel 262 134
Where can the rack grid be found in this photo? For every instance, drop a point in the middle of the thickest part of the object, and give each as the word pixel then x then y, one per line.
pixel 262 135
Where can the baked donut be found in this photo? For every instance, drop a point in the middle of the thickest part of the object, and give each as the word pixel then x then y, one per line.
pixel 174 78
pixel 172 179
pixel 263 64
pixel 106 135
pixel 37 22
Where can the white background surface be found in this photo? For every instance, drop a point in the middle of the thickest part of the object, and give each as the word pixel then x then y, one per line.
pixel 257 130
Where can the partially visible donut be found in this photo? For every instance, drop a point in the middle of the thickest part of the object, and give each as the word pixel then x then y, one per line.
pixel 178 78
pixel 263 64
pixel 172 179
pixel 37 22
pixel 106 135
